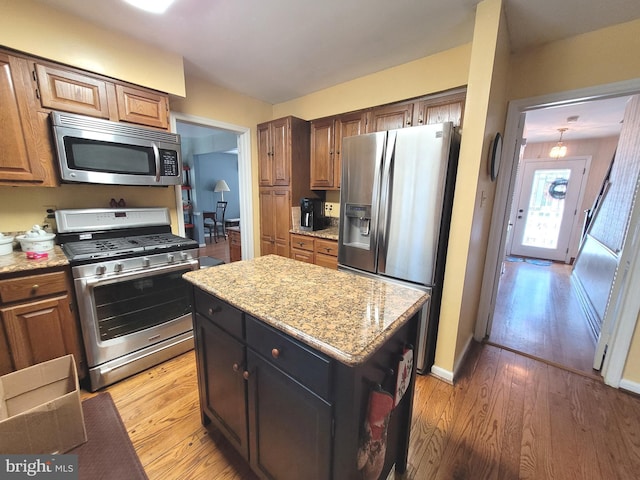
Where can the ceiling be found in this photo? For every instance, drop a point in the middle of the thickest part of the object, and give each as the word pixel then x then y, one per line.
pixel 278 50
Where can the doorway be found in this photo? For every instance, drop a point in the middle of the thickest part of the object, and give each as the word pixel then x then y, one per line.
pixel 547 286
pixel 222 151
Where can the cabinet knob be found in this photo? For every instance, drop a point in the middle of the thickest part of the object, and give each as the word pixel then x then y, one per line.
pixel 236 367
pixel 35 288
pixel 275 353
pixel 213 310
pixel 245 375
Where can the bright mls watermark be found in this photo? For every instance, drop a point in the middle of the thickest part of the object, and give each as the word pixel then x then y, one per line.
pixel 50 467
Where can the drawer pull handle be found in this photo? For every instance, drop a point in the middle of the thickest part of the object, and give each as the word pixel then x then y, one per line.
pixel 245 375
pixel 275 353
pixel 35 288
pixel 213 310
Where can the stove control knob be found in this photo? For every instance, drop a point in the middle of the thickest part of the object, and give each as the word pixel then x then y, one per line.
pixel 101 270
pixel 171 258
pixel 117 267
pixel 184 256
pixel 146 262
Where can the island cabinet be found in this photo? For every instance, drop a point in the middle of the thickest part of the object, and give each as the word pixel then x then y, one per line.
pixel 292 409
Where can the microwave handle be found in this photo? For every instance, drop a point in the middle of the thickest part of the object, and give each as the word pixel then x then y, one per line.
pixel 156 154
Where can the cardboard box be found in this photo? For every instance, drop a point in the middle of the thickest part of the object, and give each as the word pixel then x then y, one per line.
pixel 40 409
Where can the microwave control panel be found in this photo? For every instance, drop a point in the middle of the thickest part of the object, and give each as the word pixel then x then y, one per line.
pixel 169 161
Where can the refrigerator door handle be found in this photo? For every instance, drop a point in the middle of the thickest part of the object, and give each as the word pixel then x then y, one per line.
pixel 375 205
pixel 385 197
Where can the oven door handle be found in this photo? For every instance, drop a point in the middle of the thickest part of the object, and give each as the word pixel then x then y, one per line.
pixel 93 282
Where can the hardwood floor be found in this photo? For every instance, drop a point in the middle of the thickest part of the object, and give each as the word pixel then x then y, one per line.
pixel 538 313
pixel 508 417
pixel 217 250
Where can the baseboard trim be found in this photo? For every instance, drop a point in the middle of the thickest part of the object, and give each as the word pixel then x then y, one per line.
pixel 447 375
pixel 628 385
pixel 442 374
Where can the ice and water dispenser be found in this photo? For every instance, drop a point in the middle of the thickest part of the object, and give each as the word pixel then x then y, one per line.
pixel 357 226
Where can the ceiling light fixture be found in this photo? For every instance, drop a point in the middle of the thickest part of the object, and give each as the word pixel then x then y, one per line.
pixel 153 6
pixel 559 150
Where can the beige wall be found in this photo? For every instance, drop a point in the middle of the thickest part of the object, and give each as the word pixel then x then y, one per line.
pixel 435 73
pixel 39 30
pixel 485 112
pixel 632 367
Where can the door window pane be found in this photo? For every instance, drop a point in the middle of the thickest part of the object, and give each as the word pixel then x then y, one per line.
pixel 546 207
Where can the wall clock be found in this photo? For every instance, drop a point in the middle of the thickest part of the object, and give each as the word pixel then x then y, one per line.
pixel 496 152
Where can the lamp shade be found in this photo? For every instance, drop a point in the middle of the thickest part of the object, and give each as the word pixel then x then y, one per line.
pixel 221 186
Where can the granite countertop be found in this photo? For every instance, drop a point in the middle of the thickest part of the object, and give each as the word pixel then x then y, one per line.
pixel 329 233
pixel 17 261
pixel 346 316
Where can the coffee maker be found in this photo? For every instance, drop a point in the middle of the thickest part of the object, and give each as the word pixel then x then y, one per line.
pixel 311 214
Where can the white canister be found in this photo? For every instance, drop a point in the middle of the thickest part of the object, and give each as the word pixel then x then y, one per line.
pixel 41 243
pixel 6 245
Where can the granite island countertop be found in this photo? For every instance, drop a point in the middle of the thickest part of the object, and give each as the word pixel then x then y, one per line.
pixel 346 316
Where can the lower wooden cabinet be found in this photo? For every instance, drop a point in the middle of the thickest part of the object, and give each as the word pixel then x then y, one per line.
pixel 235 244
pixel 319 251
pixel 39 322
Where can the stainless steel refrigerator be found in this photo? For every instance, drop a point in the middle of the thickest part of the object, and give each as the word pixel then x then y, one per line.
pixel 395 210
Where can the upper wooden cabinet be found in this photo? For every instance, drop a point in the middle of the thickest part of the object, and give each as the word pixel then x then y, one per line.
pixel 145 107
pixel 70 90
pixel 30 88
pixel 61 89
pixel 439 109
pixel 391 117
pixel 26 156
pixel 326 145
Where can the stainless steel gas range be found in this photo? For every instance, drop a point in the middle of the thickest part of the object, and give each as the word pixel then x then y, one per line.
pixel 134 306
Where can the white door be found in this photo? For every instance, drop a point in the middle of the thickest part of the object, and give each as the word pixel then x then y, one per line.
pixel 547 208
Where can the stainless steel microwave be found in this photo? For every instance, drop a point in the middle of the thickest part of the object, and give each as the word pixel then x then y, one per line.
pixel 92 150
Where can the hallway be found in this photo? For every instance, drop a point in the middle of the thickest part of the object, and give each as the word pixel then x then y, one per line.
pixel 538 314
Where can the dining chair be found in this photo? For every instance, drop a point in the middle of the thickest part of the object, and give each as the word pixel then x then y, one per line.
pixel 214 222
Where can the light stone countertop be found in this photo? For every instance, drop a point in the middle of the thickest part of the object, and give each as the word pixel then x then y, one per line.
pixel 329 233
pixel 17 261
pixel 346 316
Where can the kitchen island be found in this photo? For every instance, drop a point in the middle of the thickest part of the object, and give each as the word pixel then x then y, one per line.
pixel 291 357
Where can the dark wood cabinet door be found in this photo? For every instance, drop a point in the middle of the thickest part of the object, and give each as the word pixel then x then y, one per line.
pixel 390 117
pixel 267 222
pixel 347 125
pixel 281 151
pixel 265 160
pixel 449 108
pixel 322 153
pixel 290 426
pixel 221 361
pixel 282 215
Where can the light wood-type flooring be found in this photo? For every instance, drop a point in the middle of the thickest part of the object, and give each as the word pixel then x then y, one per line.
pixel 217 250
pixel 538 313
pixel 507 417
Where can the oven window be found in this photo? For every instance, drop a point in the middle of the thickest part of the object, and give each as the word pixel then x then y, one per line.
pixel 130 306
pixel 109 157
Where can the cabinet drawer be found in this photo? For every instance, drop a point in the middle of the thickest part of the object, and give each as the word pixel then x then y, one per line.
pixel 326 247
pixel 33 286
pixel 294 358
pixel 221 313
pixel 302 242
